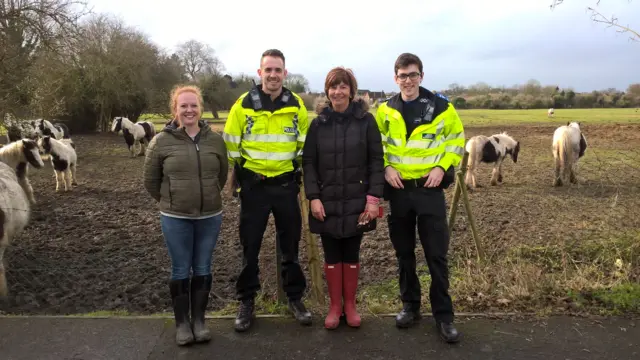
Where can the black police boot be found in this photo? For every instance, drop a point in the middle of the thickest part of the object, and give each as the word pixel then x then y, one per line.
pixel 180 300
pixel 448 332
pixel 200 289
pixel 409 315
pixel 300 312
pixel 245 315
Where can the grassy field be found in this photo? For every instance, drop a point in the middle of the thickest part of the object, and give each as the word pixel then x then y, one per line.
pixel 484 117
pixel 475 117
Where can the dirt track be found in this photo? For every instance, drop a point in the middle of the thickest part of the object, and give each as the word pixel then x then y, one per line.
pixel 100 247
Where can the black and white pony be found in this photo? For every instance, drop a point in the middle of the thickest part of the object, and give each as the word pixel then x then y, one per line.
pixel 569 145
pixel 57 130
pixel 134 133
pixel 64 160
pixel 490 150
pixel 19 155
pixel 15 212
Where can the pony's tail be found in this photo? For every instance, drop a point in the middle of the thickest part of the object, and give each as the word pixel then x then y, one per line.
pixel 472 163
pixel 564 151
pixel 473 153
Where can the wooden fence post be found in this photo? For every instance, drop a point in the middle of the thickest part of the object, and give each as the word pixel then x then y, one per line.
pixel 282 297
pixel 313 255
pixel 461 189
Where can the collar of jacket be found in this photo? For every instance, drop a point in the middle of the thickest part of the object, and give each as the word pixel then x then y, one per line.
pixel 358 107
pixel 396 101
pixel 256 96
pixel 172 128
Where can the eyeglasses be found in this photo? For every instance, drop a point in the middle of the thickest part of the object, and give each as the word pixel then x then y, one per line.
pixel 412 76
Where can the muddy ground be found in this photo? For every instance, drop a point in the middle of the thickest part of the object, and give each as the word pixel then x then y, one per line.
pixel 100 246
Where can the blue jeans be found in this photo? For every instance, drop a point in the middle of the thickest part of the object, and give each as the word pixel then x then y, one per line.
pixel 190 243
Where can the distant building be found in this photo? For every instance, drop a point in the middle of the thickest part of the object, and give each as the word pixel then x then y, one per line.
pixel 372 96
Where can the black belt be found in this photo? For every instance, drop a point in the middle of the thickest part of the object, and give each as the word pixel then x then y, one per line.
pixel 270 180
pixel 414 183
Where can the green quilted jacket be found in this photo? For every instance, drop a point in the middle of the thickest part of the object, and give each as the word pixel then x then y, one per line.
pixel 186 176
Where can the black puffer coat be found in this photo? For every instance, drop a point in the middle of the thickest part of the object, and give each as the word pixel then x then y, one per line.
pixel 343 161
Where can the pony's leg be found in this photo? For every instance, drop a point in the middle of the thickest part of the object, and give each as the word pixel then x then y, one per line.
pixel 58 177
pixel 467 177
pixel 470 178
pixel 67 179
pixel 73 174
pixel 500 171
pixel 572 172
pixel 495 172
pixel 26 185
pixel 63 180
pixel 474 178
pixel 4 290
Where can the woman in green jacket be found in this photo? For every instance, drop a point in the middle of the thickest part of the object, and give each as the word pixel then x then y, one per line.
pixel 185 169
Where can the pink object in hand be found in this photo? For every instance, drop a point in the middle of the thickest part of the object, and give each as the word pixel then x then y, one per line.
pixel 372 200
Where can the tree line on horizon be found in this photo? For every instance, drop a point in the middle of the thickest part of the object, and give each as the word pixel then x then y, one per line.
pixel 533 95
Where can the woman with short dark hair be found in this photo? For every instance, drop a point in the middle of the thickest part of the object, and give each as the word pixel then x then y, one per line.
pixel 344 179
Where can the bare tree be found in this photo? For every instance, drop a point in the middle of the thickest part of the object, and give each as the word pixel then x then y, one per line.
pixel 612 21
pixel 26 27
pixel 296 83
pixel 198 59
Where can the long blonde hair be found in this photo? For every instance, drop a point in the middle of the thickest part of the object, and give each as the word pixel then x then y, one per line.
pixel 179 89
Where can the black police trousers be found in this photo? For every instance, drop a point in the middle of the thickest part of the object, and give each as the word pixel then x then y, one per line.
pixel 256 203
pixel 426 209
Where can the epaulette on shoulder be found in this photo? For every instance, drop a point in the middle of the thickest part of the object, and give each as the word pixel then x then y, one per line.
pixel 442 96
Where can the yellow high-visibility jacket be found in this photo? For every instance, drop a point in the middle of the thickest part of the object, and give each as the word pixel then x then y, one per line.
pixel 266 142
pixel 438 141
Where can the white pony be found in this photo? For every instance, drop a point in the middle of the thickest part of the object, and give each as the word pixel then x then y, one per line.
pixel 58 130
pixel 64 160
pixel 551 112
pixel 134 133
pixel 490 150
pixel 569 145
pixel 19 155
pixel 15 212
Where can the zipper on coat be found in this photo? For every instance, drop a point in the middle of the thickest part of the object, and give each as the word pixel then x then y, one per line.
pixel 200 178
pixel 344 171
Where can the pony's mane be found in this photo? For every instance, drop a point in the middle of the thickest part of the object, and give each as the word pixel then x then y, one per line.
pixel 125 123
pixel 12 152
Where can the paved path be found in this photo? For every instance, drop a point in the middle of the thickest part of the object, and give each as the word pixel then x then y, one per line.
pixel 555 338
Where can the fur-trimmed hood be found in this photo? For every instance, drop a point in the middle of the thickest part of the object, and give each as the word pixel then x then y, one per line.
pixel 357 107
pixel 172 125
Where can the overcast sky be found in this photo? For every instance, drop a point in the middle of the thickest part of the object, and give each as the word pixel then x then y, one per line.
pixel 500 42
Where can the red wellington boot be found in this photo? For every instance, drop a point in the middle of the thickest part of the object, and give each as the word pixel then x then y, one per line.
pixel 350 274
pixel 333 272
